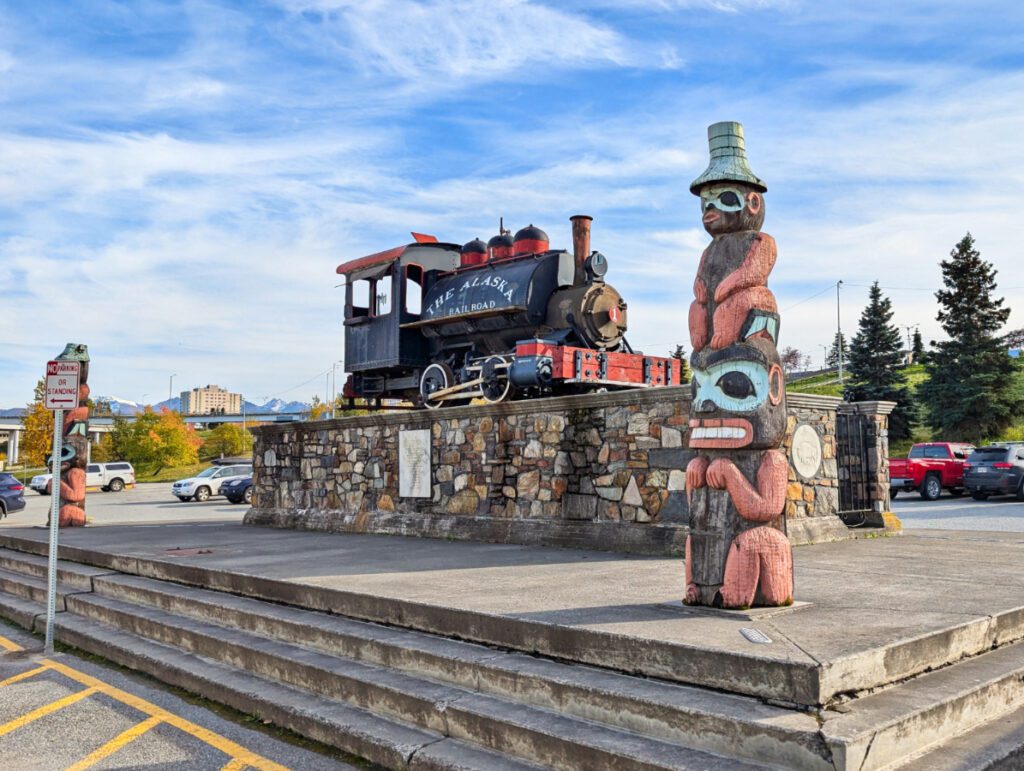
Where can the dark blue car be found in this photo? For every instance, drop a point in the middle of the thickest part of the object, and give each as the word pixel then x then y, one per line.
pixel 237 490
pixel 12 494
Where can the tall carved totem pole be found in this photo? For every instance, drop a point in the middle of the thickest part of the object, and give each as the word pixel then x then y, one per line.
pixel 75 437
pixel 737 553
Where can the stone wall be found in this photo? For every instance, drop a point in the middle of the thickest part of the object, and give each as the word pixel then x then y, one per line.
pixel 598 471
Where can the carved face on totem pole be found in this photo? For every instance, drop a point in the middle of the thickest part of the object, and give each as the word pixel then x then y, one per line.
pixel 737 553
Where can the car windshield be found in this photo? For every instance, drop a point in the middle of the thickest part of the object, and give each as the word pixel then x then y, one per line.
pixel 208 472
pixel 987 454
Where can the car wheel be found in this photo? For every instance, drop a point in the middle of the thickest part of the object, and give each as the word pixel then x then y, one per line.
pixel 1020 491
pixel 115 486
pixel 931 488
pixel 979 496
pixel 3 510
pixel 893 494
pixel 41 492
pixel 184 498
pixel 247 495
pixel 202 494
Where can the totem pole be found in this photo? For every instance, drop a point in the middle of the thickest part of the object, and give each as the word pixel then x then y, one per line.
pixel 75 451
pixel 737 553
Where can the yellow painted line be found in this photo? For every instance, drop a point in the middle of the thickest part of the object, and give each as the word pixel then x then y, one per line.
pixel 228 747
pixel 9 645
pixel 43 711
pixel 22 676
pixel 235 765
pixel 115 744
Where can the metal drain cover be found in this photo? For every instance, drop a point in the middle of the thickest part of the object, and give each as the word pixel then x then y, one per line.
pixel 755 635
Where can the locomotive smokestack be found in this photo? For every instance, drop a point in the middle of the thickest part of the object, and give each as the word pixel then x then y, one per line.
pixel 580 243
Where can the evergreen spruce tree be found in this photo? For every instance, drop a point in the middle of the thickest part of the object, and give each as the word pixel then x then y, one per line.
pixel 684 365
pixel 876 364
pixel 839 344
pixel 917 349
pixel 971 393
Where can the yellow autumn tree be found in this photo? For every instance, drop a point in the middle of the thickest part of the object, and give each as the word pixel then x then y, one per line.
pixel 38 436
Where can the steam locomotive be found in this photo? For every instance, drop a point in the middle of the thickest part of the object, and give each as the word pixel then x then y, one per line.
pixel 442 324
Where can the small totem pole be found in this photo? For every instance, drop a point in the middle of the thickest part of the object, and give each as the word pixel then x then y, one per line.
pixel 75 451
pixel 737 553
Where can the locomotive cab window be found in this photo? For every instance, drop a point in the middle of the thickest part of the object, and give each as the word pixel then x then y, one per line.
pixel 413 289
pixel 360 303
pixel 382 295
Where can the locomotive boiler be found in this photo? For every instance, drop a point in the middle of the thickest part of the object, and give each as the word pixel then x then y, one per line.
pixel 439 323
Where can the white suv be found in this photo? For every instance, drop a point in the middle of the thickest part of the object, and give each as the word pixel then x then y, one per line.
pixel 106 476
pixel 207 482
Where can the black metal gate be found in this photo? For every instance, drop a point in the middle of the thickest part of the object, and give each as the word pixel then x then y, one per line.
pixel 852 457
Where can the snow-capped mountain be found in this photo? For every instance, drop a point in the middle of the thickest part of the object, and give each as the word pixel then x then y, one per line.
pixel 120 406
pixel 279 405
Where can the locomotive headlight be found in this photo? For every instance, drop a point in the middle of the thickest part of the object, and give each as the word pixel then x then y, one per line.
pixel 596 265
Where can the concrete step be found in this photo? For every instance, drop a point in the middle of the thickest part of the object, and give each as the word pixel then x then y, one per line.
pixel 21 611
pixel 71 574
pixel 996 746
pixel 892 725
pixel 382 741
pixel 505 726
pixel 34 589
pixel 738 726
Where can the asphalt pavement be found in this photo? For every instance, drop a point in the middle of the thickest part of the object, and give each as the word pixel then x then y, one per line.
pixel 1002 514
pixel 69 712
pixel 145 504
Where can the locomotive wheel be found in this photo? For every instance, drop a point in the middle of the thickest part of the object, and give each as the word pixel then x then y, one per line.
pixel 496 386
pixel 435 378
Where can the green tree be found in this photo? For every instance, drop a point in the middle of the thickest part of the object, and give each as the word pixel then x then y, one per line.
pixel 971 393
pixel 839 347
pixel 684 365
pixel 876 365
pixel 227 439
pixel 917 349
pixel 38 436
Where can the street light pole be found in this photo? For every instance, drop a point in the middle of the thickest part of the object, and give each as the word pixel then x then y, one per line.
pixel 839 331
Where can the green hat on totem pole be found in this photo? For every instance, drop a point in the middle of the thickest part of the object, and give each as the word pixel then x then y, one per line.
pixel 728 159
pixel 74 352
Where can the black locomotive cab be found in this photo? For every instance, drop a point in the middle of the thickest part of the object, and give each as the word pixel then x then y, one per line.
pixel 383 292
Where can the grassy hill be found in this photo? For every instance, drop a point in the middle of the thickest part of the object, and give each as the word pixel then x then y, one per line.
pixel 827 384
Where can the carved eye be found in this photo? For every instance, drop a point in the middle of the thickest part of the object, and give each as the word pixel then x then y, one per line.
pixel 736 385
pixel 729 198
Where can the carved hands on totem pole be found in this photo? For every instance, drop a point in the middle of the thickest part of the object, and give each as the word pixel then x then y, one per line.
pixel 737 553
pixel 75 451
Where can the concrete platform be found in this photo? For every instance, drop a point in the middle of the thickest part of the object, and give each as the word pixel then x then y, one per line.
pixel 879 611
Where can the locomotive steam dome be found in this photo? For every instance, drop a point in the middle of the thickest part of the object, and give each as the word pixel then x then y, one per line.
pixel 474 252
pixel 531 240
pixel 500 246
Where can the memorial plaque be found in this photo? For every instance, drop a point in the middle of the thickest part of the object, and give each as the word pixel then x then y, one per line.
pixel 806 451
pixel 414 475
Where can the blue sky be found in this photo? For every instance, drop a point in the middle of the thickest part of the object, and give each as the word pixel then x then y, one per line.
pixel 178 180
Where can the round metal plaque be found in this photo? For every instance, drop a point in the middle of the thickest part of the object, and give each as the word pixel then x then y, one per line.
pixel 806 452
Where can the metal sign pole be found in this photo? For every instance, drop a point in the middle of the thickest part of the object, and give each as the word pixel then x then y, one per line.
pixel 51 574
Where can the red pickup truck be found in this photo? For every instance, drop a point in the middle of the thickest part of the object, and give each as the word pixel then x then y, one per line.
pixel 931 467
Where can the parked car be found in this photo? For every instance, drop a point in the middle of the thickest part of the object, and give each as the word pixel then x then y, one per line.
pixel 12 494
pixel 931 468
pixel 238 490
pixel 206 483
pixel 114 476
pixel 995 470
